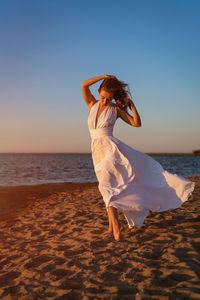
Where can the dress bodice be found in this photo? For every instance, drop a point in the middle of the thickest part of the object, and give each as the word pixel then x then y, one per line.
pixel 105 122
pixel 107 117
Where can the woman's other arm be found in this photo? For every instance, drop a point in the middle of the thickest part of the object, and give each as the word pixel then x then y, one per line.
pixel 126 117
pixel 87 95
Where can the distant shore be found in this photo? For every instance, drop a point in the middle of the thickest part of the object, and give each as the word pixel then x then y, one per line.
pixel 173 154
pixel 153 153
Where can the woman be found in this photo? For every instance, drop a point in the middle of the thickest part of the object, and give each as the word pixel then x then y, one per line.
pixel 129 180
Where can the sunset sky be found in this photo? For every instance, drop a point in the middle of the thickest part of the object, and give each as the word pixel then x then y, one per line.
pixel 49 47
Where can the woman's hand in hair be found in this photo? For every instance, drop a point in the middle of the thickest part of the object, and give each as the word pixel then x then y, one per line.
pixel 121 105
pixel 110 76
pixel 130 103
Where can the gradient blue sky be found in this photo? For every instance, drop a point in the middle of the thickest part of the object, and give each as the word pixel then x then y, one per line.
pixel 49 47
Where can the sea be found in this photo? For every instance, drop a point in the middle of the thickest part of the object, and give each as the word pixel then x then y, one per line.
pixel 40 168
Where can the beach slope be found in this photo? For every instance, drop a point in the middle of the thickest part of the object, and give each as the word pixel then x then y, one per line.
pixel 53 246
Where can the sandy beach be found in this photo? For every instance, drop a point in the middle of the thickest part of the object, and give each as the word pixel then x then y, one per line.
pixel 53 246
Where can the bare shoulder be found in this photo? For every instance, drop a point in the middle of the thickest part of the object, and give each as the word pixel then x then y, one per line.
pixel 90 105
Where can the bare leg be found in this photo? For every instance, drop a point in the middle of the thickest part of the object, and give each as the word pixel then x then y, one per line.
pixel 115 222
pixel 110 228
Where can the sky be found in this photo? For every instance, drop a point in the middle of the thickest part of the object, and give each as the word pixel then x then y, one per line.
pixel 48 48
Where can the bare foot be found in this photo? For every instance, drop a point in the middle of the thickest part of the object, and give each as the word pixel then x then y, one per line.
pixel 108 231
pixel 116 233
pixel 121 228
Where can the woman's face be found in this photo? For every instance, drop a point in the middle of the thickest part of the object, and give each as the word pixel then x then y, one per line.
pixel 105 97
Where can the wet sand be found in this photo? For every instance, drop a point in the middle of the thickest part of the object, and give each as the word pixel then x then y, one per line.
pixel 53 246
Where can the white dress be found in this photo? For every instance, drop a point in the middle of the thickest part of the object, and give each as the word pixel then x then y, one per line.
pixel 130 180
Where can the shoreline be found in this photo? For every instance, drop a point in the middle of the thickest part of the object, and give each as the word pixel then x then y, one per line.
pixel 14 199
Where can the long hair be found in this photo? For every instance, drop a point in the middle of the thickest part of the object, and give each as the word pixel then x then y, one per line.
pixel 120 90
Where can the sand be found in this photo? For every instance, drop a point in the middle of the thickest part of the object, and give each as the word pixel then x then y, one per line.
pixel 53 246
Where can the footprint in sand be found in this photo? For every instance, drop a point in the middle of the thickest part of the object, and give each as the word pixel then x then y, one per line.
pixel 154 253
pixel 37 261
pixel 7 279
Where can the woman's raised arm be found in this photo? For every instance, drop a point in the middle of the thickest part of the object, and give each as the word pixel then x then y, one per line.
pixel 87 95
pixel 126 117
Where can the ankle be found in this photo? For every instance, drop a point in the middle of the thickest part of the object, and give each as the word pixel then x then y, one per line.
pixel 116 227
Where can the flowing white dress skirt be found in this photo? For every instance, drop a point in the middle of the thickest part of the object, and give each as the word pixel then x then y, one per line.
pixel 130 180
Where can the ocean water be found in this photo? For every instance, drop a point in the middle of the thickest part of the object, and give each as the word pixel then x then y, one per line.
pixel 32 169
